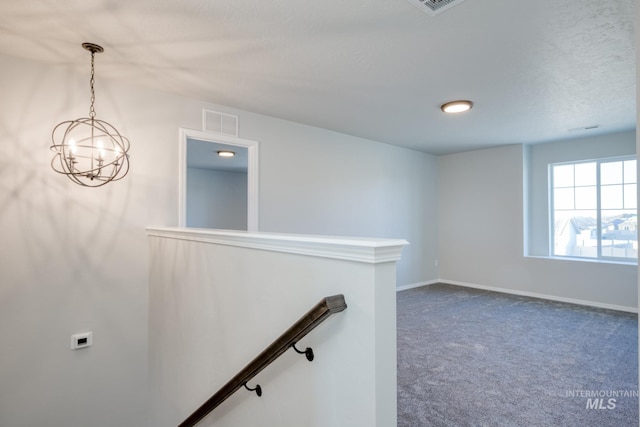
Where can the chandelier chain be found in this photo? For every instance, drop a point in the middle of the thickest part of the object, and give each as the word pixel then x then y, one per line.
pixel 92 110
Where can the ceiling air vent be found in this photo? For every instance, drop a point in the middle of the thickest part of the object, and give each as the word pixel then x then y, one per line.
pixel 433 7
pixel 215 121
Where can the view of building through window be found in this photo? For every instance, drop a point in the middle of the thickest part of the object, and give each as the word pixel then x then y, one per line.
pixel 594 209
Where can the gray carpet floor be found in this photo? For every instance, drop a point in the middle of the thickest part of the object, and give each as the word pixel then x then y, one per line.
pixel 469 357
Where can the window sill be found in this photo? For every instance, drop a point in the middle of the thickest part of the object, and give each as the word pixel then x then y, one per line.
pixel 591 260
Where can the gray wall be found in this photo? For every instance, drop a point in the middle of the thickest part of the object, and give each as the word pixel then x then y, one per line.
pixel 481 228
pixel 537 159
pixel 76 259
pixel 314 181
pixel 216 199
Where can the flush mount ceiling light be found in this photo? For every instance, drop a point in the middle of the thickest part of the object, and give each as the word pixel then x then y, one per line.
pixel 226 153
pixel 456 106
pixel 89 151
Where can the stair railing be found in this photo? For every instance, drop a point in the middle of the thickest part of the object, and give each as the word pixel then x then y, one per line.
pixel 319 313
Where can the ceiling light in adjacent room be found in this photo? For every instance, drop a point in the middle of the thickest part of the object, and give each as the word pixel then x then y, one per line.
pixel 226 153
pixel 456 106
pixel 89 151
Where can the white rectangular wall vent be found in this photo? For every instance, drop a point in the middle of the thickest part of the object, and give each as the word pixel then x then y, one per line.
pixel 433 7
pixel 215 121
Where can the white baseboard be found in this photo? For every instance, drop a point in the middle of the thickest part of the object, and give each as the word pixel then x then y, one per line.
pixel 416 285
pixel 541 296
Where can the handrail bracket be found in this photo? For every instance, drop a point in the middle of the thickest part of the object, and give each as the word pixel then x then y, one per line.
pixel 308 352
pixel 257 389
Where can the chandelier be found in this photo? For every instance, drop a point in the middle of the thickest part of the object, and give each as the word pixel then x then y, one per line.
pixel 89 151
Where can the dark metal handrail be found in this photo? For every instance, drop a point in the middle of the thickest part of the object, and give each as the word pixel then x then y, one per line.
pixel 315 316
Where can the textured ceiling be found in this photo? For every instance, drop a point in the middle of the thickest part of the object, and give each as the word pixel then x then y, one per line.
pixel 378 69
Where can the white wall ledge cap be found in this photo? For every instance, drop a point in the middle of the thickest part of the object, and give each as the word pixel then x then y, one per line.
pixel 367 250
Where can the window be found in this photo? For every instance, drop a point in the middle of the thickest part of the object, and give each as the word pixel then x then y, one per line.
pixel 594 209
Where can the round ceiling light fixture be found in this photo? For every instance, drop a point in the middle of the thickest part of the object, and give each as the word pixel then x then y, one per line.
pixel 226 153
pixel 456 106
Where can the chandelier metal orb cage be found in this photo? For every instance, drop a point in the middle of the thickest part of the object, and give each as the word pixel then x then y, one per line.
pixel 91 152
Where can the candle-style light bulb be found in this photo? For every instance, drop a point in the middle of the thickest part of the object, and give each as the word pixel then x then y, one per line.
pixel 100 146
pixel 73 148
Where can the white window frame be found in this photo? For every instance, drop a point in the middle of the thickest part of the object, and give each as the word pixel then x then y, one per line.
pixel 600 257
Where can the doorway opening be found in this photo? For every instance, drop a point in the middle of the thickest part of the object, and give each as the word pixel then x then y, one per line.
pixel 216 191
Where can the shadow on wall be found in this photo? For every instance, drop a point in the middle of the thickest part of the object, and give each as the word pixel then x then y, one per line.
pixel 51 223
